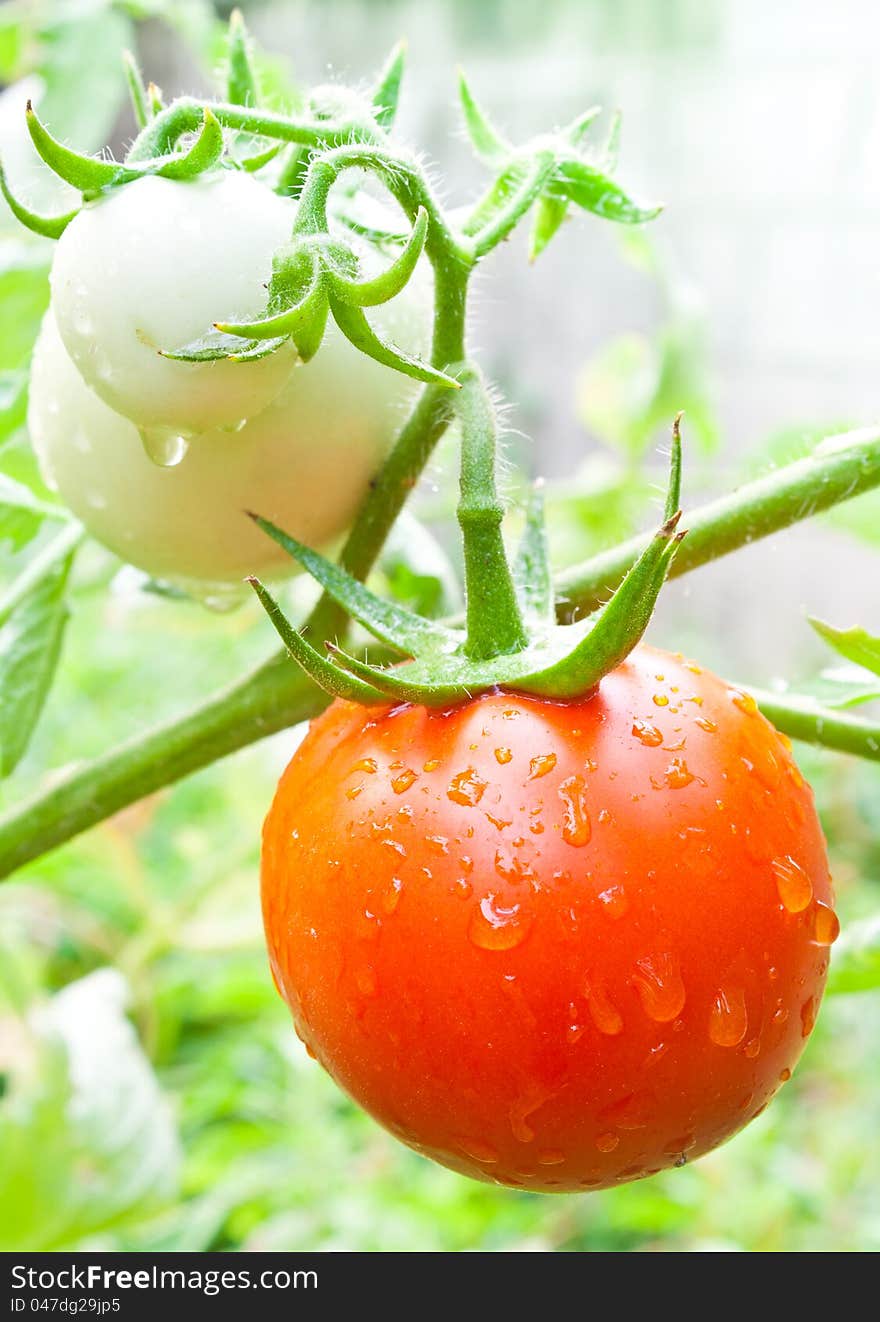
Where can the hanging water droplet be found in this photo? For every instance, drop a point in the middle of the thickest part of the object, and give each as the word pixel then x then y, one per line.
pixel 576 829
pixel 826 925
pixel 794 886
pixel 728 1019
pixel 467 788
pixel 541 765
pixel 496 926
pixel 785 1076
pixel 164 448
pixel 551 1157
pixel 647 734
pixel 659 984
pixel 478 1151
pixel 808 1016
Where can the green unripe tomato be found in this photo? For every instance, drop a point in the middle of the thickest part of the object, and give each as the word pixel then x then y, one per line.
pixel 305 462
pixel 152 265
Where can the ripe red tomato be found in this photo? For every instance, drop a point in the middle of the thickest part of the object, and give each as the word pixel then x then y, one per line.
pixel 555 945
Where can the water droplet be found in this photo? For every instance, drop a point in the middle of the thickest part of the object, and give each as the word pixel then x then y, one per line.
pixel 705 724
pixel 478 1151
pixel 467 788
pixel 794 886
pixel 432 764
pixel 365 980
pixel 500 823
pixel 630 1112
pixel 551 1157
pixel 503 756
pixel 495 926
pixel 513 868
pixel 808 1016
pixel 367 764
pixel 395 845
pixel 462 888
pixel 403 780
pixel 164 448
pixel 391 897
pixel 615 901
pixel 603 1011
pixel 354 791
pixel 541 765
pixel 744 701
pixel 677 775
pixel 826 925
pixel 660 700
pixel 728 1019
pixel 785 1076
pixel 660 987
pixel 576 828
pixel 575 1029
pixel 647 734
pixel 439 844
pixel 752 1048
pixel 607 1142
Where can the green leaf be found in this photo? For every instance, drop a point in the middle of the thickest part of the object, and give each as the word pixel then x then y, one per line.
pixel 386 93
pixel 855 644
pixel 855 963
pixel 593 190
pixel 87 1141
pixel 486 141
pixel 24 297
pixel 13 401
pixel 21 513
pixel 30 644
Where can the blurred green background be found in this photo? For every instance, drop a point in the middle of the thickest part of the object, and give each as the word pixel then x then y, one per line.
pixel 152 1093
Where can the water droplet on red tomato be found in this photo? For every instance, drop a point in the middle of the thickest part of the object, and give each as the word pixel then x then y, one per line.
pixel 478 1151
pixel 614 901
pixel 497 926
pixel 391 897
pixel 607 1142
pixel 467 788
pixel 794 886
pixel 541 765
pixel 367 764
pixel 551 1157
pixel 659 984
pixel 660 700
pixel 808 1016
pixel 603 1012
pixel 826 925
pixel 503 756
pixel 677 775
pixel 728 1019
pixel 647 734
pixel 576 829
pixel 403 780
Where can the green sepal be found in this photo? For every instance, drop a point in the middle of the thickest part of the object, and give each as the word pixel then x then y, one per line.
pixel 48 227
pixel 386 93
pixel 390 623
pixel 251 164
pixel 215 346
pixel 575 132
pixel 485 139
pixel 88 174
pixel 594 191
pixel 241 82
pixel 673 489
pixel 615 629
pixel 611 150
pixel 531 568
pixel 301 280
pixel 156 98
pixel 550 213
pixel 355 327
pixel 136 89
pixel 201 156
pixel 330 678
pixel 387 285
pixel 520 183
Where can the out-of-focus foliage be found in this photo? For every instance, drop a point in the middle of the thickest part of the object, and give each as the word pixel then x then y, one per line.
pixel 198 1122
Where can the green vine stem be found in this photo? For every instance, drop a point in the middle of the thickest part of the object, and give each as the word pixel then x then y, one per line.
pixel 278 694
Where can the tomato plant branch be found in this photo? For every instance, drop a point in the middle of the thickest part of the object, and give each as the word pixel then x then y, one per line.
pixel 278 694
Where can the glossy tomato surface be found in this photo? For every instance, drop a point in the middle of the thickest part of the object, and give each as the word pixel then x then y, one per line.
pixel 556 945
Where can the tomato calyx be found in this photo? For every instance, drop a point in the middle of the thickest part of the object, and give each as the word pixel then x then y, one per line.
pixel 511 639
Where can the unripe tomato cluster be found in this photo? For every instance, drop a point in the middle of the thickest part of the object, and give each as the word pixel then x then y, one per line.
pixel 555 945
pixel 160 459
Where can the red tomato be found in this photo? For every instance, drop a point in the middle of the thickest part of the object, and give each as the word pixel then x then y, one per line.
pixel 554 945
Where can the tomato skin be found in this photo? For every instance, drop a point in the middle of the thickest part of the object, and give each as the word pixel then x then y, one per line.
pixel 554 945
